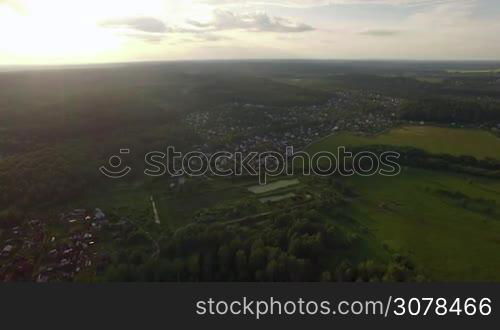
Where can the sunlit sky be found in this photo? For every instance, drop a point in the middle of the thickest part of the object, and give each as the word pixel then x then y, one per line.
pixel 96 31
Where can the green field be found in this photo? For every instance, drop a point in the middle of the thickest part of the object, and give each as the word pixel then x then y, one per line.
pixel 449 239
pixel 276 198
pixel 496 70
pixel 449 224
pixel 262 189
pixel 478 143
pixel 432 80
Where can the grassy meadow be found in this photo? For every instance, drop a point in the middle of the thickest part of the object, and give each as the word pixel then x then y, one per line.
pixel 438 140
pixel 449 238
pixel 449 224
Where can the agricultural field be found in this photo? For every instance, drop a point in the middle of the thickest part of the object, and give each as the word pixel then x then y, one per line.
pixel 437 140
pixel 261 189
pixel 449 224
pixel 478 71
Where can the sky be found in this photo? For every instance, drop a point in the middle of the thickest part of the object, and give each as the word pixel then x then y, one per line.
pixel 102 31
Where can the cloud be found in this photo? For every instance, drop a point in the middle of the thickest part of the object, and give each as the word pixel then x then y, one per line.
pixel 211 37
pixel 284 3
pixel 198 24
pixel 153 30
pixel 254 22
pixel 153 38
pixel 380 33
pixel 321 3
pixel 205 37
pixel 142 24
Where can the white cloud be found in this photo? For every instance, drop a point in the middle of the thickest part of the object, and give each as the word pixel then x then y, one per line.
pixel 321 3
pixel 380 32
pixel 142 24
pixel 253 22
pixel 154 30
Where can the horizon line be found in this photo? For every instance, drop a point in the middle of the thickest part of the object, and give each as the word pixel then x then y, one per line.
pixel 359 60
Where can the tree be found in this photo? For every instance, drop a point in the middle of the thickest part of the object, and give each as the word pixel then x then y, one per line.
pixel 258 258
pixel 326 277
pixel 193 266
pixel 272 270
pixel 296 269
pixel 242 265
pixel 225 259
pixel 396 273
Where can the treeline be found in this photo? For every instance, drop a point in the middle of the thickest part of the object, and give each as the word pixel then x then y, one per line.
pixel 213 90
pixel 448 110
pixel 296 246
pixel 481 205
pixel 41 178
pixel 404 87
pixel 83 117
pixel 413 88
pixel 410 156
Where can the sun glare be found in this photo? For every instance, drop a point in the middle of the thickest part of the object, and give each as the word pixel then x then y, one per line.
pixel 65 31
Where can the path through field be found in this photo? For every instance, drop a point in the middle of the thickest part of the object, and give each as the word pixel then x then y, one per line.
pixel 155 210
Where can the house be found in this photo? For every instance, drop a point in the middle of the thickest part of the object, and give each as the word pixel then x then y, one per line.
pixel 7 250
pixel 41 278
pixel 99 215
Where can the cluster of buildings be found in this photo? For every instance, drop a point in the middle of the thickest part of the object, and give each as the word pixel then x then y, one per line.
pixel 259 128
pixel 58 251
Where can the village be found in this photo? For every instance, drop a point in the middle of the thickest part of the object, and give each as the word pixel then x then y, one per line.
pixel 61 250
pixel 262 128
